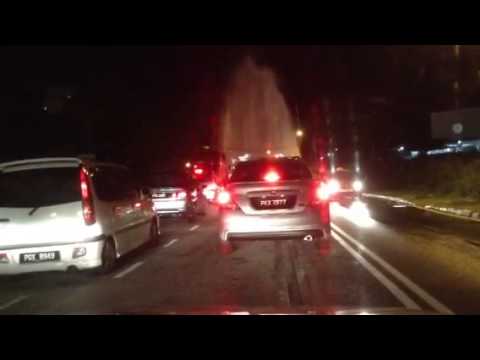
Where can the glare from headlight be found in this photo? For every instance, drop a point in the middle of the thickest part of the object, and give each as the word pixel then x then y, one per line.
pixel 357 185
pixel 333 186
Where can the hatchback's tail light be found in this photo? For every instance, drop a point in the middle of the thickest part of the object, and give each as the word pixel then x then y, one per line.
pixel 87 199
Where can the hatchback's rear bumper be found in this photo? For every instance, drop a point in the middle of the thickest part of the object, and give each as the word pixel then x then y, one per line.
pixel 91 259
pixel 235 224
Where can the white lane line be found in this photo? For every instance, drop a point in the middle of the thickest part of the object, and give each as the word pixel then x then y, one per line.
pixel 194 227
pixel 128 270
pixel 171 242
pixel 424 295
pixel 13 302
pixel 394 289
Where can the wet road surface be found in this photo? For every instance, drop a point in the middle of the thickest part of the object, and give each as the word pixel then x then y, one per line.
pixel 381 256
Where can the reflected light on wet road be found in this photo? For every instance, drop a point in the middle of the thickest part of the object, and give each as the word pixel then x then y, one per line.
pixel 357 213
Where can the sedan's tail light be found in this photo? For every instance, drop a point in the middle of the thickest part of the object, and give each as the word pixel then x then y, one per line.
pixel 321 200
pixel 322 192
pixel 224 199
pixel 87 200
pixel 180 195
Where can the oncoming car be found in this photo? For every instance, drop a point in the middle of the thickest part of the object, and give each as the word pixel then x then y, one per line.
pixel 59 214
pixel 274 198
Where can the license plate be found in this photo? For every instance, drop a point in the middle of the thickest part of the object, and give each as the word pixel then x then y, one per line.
pixel 274 203
pixel 39 257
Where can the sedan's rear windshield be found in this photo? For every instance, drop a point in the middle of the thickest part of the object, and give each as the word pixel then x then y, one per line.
pixel 39 187
pixel 169 179
pixel 256 170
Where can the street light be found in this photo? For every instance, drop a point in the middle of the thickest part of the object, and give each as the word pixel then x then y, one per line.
pixel 299 133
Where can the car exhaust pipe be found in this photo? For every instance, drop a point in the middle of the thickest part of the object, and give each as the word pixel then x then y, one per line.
pixel 308 237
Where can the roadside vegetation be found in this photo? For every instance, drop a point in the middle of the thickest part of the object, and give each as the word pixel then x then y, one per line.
pixel 451 181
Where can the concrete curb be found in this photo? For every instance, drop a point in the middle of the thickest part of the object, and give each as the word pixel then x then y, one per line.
pixel 456 213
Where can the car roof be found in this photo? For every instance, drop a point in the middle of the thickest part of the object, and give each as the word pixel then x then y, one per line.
pixel 270 159
pixel 48 162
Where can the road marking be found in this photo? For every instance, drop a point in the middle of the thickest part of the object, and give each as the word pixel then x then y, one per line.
pixel 424 295
pixel 128 270
pixel 171 242
pixel 194 227
pixel 394 289
pixel 13 302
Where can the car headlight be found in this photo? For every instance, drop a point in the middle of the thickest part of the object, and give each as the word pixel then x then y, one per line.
pixel 358 185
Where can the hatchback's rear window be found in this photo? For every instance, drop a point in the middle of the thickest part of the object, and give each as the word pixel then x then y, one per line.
pixel 39 187
pixel 256 170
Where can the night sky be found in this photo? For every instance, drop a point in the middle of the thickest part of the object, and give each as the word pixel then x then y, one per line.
pixel 137 104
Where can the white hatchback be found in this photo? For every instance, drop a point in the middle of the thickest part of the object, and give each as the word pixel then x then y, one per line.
pixel 59 214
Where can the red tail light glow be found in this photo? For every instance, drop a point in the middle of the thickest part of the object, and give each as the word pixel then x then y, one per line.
pixel 198 171
pixel 224 197
pixel 271 176
pixel 323 192
pixel 87 201
pixel 180 195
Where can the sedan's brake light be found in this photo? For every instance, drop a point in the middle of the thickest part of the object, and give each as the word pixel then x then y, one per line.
pixel 180 195
pixel 271 176
pixel 322 192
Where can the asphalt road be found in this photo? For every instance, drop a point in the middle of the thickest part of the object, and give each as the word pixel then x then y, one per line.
pixel 382 256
